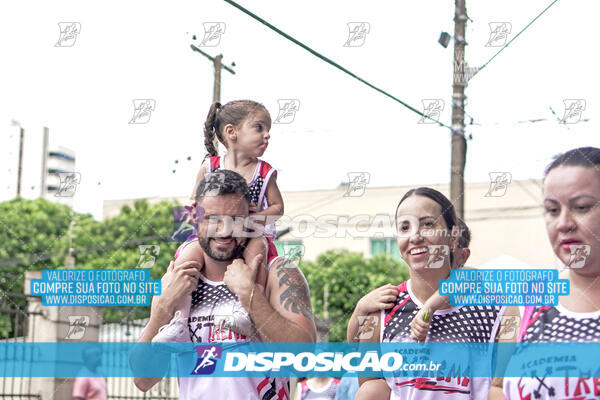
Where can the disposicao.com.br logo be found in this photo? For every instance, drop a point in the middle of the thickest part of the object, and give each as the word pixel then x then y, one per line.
pixel 230 359
pixel 322 362
pixel 207 359
pixel 326 359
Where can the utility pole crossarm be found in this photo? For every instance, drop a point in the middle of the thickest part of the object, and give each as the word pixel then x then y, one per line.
pixel 217 82
pixel 195 48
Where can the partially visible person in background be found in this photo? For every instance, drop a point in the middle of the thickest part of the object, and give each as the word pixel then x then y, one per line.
pixel 317 388
pixel 90 384
pixel 347 388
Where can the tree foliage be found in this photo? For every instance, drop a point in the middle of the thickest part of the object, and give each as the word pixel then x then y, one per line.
pixel 34 235
pixel 348 276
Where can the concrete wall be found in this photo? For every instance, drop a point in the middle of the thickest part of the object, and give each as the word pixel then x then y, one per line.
pixel 511 224
pixel 53 325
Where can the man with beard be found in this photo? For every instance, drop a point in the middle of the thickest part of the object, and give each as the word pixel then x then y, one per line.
pixel 227 307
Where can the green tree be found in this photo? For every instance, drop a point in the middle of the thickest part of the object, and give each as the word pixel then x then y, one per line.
pixel 34 235
pixel 31 233
pixel 114 244
pixel 348 276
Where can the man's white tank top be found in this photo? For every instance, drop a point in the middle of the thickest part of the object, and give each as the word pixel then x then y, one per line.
pixel 217 316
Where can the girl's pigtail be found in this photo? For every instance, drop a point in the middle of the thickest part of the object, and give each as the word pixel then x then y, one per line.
pixel 209 129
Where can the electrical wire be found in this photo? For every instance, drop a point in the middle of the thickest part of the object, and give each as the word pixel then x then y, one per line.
pixel 331 62
pixel 511 40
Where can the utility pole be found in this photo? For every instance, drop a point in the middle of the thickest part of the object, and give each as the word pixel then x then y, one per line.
pixel 218 64
pixel 43 187
pixel 326 301
pixel 459 143
pixel 20 173
pixel 20 169
pixel 70 260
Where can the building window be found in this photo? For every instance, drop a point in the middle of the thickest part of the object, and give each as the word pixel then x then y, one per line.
pixel 386 246
pixel 292 249
pixel 63 156
pixel 58 171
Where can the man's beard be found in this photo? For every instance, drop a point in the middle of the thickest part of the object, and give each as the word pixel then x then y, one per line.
pixel 230 255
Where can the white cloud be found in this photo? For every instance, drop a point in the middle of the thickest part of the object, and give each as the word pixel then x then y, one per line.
pixel 133 50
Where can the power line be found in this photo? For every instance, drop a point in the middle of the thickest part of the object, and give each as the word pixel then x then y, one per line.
pixel 527 121
pixel 511 40
pixel 533 196
pixel 503 217
pixel 331 62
